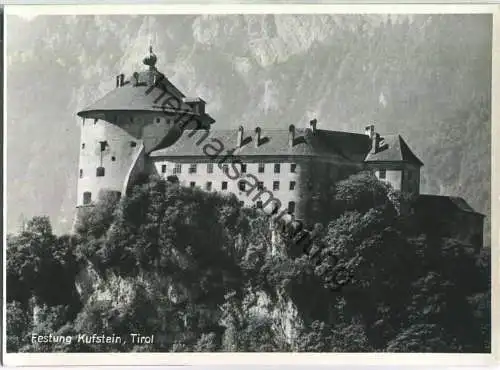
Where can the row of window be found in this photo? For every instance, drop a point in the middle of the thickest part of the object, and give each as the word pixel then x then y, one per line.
pixel 193 168
pixel 133 144
pixel 99 172
pixel 87 199
pixel 382 174
pixel 242 185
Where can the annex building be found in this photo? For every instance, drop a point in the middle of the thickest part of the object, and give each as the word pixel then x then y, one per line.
pixel 148 126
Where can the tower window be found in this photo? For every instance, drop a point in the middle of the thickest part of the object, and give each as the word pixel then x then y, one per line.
pixel 192 168
pixel 83 145
pixel 210 167
pixel 87 197
pixel 243 168
pixel 261 167
pixel 381 174
pixel 209 186
pixel 241 185
pixel 81 173
pixel 277 168
pixel 292 185
pixel 192 184
pixel 276 185
pixel 163 168
pixel 99 172
pixel 293 167
pixel 291 207
pixel 224 185
pixel 178 168
pixel 260 185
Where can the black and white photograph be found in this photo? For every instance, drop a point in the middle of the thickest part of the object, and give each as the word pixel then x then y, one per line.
pixel 248 183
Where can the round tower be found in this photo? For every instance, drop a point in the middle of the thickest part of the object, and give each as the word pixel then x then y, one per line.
pixel 119 130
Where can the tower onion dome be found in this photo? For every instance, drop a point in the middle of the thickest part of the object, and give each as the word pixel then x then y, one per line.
pixel 151 59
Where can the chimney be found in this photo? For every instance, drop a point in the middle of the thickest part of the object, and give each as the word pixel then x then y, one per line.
pixel 370 131
pixel 291 135
pixel 240 137
pixel 375 143
pixel 313 123
pixel 257 136
pixel 122 79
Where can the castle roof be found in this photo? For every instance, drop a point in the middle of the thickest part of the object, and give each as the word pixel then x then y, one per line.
pixel 144 91
pixel 345 146
pixel 137 98
pixel 392 148
pixel 438 204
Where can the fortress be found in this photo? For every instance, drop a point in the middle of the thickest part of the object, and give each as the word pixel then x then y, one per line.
pixel 147 126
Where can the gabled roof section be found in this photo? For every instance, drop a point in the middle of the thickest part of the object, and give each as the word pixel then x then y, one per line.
pixel 345 146
pixel 392 148
pixel 436 204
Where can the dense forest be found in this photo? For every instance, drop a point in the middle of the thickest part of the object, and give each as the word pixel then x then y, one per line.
pixel 198 271
pixel 426 77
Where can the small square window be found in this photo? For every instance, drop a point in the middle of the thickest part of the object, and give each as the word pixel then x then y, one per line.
pixel 241 185
pixel 243 168
pixel 192 168
pixel 276 185
pixel 210 167
pixel 163 168
pixel 381 174
pixel 99 172
pixel 277 168
pixel 292 185
pixel 260 185
pixel 178 168
pixel 224 185
pixel 192 184
pixel 209 186
pixel 293 167
pixel 83 145
pixel 133 144
pixel 261 167
pixel 259 204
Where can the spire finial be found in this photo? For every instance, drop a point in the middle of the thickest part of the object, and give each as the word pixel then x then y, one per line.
pixel 150 60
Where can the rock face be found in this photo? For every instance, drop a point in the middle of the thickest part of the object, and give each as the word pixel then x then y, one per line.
pixel 425 77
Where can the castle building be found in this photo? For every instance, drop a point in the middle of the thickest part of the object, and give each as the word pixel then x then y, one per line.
pixel 146 125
